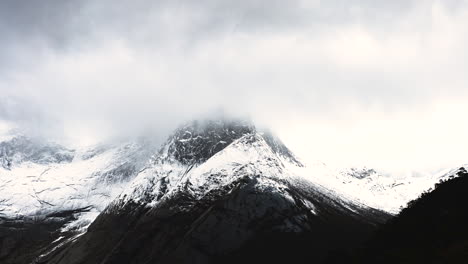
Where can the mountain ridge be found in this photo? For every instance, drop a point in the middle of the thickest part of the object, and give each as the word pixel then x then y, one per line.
pixel 205 170
pixel 212 209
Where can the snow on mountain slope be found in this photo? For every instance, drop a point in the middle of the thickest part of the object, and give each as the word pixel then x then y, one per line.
pixel 39 178
pixel 242 150
pixel 22 149
pixel 369 187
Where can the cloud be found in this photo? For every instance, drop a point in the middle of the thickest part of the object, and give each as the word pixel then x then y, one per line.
pixel 345 81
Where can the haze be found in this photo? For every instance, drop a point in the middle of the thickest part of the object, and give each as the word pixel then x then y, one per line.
pixel 375 83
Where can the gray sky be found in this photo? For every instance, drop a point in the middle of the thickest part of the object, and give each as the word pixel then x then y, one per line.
pixel 381 83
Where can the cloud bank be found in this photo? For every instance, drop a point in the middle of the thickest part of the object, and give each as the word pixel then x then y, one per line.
pixel 381 83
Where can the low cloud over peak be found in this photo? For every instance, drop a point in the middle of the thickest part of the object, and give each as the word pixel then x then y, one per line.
pixel 376 82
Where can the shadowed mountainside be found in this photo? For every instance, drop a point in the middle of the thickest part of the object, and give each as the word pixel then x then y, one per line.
pixel 432 229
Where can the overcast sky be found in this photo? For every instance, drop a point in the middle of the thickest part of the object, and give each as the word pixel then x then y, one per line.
pixel 381 83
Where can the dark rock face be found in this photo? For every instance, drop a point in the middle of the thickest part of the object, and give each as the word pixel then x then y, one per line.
pixel 432 229
pixel 21 149
pixel 199 140
pixel 223 226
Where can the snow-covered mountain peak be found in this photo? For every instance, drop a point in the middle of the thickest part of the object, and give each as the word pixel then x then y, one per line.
pixel 208 156
pixel 198 160
pixel 239 190
pixel 196 141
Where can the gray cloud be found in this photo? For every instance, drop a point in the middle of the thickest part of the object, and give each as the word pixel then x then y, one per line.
pixel 114 68
pixel 66 24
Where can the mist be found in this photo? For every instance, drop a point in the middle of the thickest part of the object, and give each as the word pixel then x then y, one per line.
pixel 374 83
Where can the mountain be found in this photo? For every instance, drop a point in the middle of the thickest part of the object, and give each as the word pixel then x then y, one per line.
pixel 216 191
pixel 432 229
pixel 221 191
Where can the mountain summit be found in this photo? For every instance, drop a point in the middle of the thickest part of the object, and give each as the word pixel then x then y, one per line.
pixel 215 189
pixel 197 141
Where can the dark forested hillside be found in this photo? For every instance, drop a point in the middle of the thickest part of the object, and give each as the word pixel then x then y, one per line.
pixel 432 229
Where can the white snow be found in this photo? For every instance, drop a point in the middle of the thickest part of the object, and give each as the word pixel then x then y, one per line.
pixel 240 158
pixel 254 157
pixel 376 190
pixel 31 189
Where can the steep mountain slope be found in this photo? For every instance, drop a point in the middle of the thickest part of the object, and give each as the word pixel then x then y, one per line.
pixel 432 229
pixel 49 192
pixel 216 188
